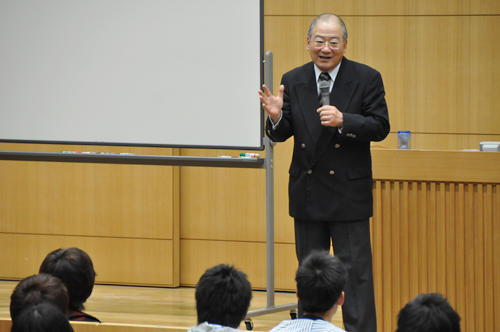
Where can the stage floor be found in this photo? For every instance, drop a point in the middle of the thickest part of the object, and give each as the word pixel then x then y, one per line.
pixel 160 306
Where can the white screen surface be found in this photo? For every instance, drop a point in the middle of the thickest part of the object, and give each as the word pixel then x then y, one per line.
pixel 145 72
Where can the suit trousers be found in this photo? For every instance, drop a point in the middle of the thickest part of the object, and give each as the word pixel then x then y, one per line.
pixel 351 243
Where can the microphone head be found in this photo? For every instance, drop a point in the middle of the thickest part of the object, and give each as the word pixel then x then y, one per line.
pixel 324 89
pixel 324 85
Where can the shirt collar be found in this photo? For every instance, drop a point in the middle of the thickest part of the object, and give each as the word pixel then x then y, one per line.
pixel 333 73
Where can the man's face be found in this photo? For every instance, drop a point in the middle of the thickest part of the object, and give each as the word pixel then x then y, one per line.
pixel 326 45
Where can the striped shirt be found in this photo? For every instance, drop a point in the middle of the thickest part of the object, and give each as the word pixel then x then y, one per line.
pixel 306 325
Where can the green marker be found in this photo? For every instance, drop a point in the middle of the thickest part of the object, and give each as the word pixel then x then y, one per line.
pixel 249 155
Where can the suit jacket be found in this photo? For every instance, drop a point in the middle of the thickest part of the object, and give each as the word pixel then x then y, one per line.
pixel 330 172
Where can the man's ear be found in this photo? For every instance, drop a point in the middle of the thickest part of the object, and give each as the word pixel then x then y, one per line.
pixel 341 299
pixel 308 43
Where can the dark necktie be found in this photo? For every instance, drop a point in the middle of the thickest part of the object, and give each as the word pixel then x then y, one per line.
pixel 324 88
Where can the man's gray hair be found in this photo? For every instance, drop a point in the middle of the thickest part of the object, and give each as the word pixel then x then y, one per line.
pixel 326 17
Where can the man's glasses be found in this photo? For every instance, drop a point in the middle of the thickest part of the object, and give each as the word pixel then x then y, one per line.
pixel 331 44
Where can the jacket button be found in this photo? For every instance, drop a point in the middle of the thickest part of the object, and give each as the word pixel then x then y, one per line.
pixel 332 172
pixel 303 145
pixel 337 146
pixel 309 171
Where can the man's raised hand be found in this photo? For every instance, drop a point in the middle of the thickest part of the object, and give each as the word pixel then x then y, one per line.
pixel 272 104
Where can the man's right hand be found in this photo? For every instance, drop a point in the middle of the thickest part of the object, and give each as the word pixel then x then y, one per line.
pixel 272 104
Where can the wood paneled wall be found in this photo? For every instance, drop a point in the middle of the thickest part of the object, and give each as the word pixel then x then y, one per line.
pixel 124 216
pixel 223 220
pixel 437 237
pixel 436 228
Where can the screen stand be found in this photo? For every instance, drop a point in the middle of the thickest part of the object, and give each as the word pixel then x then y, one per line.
pixel 269 167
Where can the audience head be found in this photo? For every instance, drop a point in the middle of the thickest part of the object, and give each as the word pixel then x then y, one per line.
pixel 430 313
pixel 41 317
pixel 36 289
pixel 223 296
pixel 74 267
pixel 320 282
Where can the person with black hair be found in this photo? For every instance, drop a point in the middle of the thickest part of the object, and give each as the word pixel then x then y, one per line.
pixel 37 289
pixel 41 317
pixel 320 283
pixel 428 313
pixel 223 296
pixel 74 267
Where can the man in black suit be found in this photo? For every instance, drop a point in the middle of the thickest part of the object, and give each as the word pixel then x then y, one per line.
pixel 330 185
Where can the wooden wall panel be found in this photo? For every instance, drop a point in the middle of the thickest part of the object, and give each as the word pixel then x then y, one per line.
pixel 435 238
pixel 223 220
pixel 229 204
pixel 116 260
pixel 429 77
pixel 285 36
pixel 493 241
pixel 86 199
pixel 126 216
pixel 452 166
pixel 284 230
pixel 222 203
pixel 381 7
pixel 250 257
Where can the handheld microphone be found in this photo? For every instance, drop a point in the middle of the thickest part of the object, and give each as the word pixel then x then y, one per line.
pixel 324 89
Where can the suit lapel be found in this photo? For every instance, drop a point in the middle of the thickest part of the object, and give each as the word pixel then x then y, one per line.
pixel 307 96
pixel 344 87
